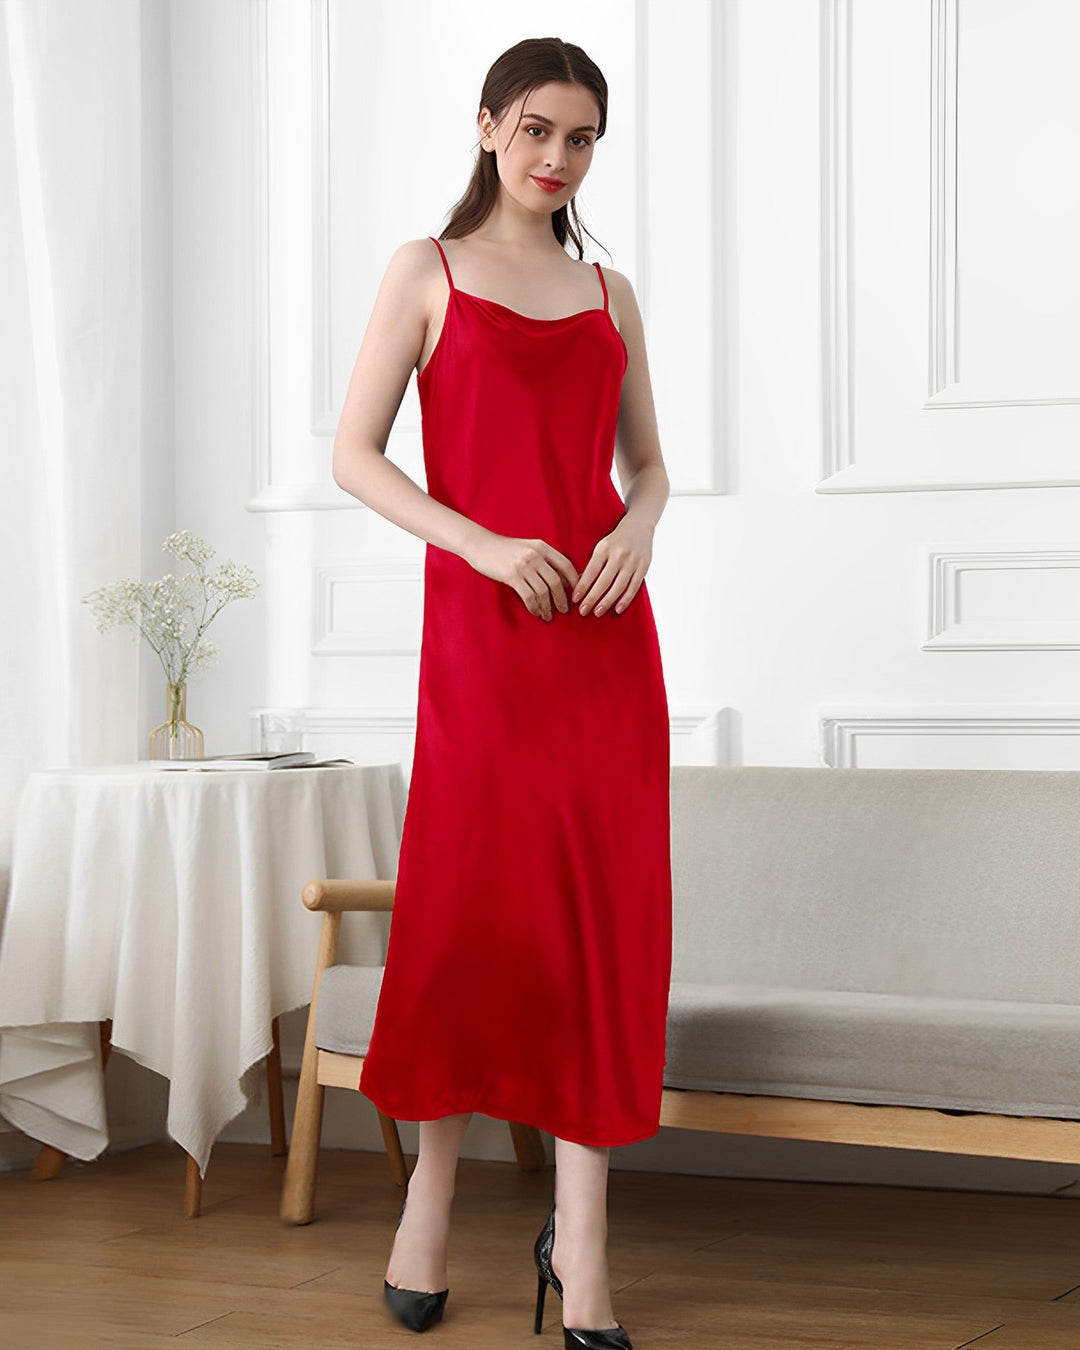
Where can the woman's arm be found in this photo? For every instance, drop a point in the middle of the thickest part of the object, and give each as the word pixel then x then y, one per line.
pixel 614 573
pixel 391 347
pixel 388 355
pixel 638 460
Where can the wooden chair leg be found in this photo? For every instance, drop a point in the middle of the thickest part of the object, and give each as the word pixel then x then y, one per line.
pixel 394 1155
pixel 278 1146
pixel 193 1180
pixel 50 1161
pixel 529 1146
pixel 298 1188
pixel 192 1189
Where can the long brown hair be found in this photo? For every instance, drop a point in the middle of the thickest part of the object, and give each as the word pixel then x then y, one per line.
pixel 521 69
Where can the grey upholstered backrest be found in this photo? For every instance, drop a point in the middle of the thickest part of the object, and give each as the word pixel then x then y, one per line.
pixel 951 882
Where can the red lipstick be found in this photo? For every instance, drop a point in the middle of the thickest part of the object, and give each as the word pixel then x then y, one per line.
pixel 548 184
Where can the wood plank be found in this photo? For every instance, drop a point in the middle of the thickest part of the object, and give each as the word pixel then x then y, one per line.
pixel 923 1128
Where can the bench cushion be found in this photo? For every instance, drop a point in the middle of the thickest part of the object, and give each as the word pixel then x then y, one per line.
pixel 879 1049
pixel 346 1011
pixel 827 1045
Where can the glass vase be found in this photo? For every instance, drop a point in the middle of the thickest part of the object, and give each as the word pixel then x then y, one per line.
pixel 176 738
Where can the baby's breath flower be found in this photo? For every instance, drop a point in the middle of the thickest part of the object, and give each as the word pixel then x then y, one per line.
pixel 174 612
pixel 188 546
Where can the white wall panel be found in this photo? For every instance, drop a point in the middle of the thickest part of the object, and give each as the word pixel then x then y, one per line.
pixel 1004 600
pixel 953 282
pixel 369 608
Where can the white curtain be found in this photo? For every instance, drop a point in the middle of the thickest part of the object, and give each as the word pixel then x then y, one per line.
pixel 70 381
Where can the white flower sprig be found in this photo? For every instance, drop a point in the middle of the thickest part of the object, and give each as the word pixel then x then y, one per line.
pixel 165 611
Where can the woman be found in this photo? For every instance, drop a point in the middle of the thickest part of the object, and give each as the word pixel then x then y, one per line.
pixel 529 957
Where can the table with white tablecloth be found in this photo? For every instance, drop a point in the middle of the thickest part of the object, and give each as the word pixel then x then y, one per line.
pixel 170 902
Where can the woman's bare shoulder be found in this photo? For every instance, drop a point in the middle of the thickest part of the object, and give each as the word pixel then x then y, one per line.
pixel 618 284
pixel 416 258
pixel 412 275
pixel 623 302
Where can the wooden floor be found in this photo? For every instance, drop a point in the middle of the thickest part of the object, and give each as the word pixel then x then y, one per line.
pixel 103 1257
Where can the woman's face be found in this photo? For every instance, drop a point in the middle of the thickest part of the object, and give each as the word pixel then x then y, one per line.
pixel 543 159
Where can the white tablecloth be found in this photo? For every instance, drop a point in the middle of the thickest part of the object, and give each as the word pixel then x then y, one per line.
pixel 170 903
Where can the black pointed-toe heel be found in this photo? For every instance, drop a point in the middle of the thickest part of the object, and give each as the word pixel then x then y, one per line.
pixel 574 1338
pixel 416 1308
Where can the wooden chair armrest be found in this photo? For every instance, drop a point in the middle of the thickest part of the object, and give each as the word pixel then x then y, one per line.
pixel 334 896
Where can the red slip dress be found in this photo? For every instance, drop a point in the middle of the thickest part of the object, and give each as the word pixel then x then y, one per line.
pixel 529 958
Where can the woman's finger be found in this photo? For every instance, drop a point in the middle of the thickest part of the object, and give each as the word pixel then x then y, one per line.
pixel 630 592
pixel 612 593
pixel 600 586
pixel 562 564
pixel 555 583
pixel 539 595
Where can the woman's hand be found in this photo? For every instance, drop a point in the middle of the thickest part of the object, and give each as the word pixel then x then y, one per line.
pixel 614 573
pixel 539 573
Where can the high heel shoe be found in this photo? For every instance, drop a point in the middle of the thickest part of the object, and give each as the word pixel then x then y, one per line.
pixel 574 1338
pixel 416 1308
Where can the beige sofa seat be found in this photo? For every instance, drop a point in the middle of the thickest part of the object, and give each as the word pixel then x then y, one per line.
pixel 826 1044
pixel 835 1045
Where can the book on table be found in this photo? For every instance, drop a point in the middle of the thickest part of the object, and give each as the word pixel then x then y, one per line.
pixel 260 759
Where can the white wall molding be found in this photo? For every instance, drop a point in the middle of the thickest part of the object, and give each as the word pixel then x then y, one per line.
pixel 323 413
pixel 947 389
pixel 323 723
pixel 1033 738
pixel 256 196
pixel 705 736
pixel 391 592
pixel 947 630
pixel 837 416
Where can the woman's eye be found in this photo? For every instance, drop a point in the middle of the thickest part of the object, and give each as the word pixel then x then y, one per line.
pixel 583 141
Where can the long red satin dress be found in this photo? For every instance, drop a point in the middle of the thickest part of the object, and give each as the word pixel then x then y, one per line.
pixel 529 958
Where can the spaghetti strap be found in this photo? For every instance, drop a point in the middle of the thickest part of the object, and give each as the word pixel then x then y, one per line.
pixel 602 283
pixel 442 255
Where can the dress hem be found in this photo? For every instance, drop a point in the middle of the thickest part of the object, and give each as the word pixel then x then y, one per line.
pixel 499 1113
